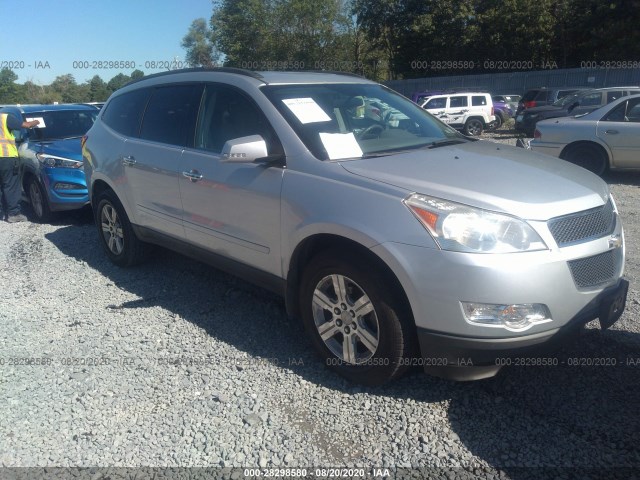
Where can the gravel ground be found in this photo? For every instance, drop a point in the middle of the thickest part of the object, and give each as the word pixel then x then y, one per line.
pixel 174 364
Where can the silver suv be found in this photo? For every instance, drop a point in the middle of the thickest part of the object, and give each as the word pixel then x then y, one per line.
pixel 396 240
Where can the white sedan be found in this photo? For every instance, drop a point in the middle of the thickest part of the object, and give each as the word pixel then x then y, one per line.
pixel 608 137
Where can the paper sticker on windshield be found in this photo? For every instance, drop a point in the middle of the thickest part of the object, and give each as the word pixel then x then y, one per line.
pixel 40 119
pixel 341 145
pixel 307 110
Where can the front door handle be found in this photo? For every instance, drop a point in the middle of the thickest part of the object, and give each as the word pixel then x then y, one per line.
pixel 611 132
pixel 128 160
pixel 193 175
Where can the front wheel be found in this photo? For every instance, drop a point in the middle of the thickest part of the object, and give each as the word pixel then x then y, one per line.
pixel 473 127
pixel 359 327
pixel 116 234
pixel 498 122
pixel 38 200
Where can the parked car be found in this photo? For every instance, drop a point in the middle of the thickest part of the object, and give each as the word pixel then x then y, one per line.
pixel 608 137
pixel 502 112
pixel 574 104
pixel 538 97
pixel 471 112
pixel 511 100
pixel 395 246
pixel 50 156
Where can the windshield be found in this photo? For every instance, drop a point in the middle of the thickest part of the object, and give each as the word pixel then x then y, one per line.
pixel 61 124
pixel 564 101
pixel 338 121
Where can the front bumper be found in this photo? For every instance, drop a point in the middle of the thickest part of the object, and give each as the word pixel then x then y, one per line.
pixel 463 358
pixel 68 198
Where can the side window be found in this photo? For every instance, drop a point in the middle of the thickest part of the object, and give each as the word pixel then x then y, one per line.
pixel 440 102
pixel 591 100
pixel 543 95
pixel 633 110
pixel 614 95
pixel 478 100
pixel 171 114
pixel 226 114
pixel 124 112
pixel 628 111
pixel 457 102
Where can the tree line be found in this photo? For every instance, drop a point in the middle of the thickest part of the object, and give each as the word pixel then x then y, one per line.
pixel 64 89
pixel 393 39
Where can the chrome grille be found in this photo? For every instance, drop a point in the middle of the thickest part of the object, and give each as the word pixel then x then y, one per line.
pixel 597 270
pixel 580 227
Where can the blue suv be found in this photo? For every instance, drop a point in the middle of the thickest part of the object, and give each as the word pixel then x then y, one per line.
pixel 51 168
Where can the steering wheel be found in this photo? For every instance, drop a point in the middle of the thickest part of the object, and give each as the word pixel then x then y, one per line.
pixel 372 131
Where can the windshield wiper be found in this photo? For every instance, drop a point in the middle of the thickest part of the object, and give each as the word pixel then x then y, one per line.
pixel 446 142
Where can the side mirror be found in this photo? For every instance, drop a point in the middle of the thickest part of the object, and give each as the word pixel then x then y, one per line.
pixel 244 149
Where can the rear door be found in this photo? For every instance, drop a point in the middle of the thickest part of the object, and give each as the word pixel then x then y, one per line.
pixel 457 109
pixel 152 160
pixel 620 130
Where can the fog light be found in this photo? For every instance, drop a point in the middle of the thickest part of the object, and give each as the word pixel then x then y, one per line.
pixel 67 186
pixel 515 318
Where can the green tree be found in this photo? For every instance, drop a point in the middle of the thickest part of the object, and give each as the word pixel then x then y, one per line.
pixel 197 43
pixel 137 74
pixel 119 81
pixel 98 90
pixel 10 91
pixel 68 90
pixel 287 34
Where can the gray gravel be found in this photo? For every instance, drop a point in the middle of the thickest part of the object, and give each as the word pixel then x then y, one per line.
pixel 174 364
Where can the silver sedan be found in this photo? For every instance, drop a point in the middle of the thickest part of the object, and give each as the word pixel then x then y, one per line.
pixel 608 137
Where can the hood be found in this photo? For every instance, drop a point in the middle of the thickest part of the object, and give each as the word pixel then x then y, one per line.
pixel 69 148
pixel 490 176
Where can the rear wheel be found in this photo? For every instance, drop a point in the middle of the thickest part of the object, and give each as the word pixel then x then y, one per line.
pixel 116 234
pixel 358 326
pixel 591 157
pixel 473 127
pixel 38 200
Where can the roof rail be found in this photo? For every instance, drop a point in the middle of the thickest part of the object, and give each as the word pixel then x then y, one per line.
pixel 238 71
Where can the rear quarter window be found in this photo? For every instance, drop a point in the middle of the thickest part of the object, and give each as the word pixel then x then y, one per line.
pixel 124 112
pixel 479 101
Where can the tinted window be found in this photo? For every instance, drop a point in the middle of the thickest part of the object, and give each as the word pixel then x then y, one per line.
pixel 478 100
pixel 542 95
pixel 457 102
pixel 436 103
pixel 533 94
pixel 614 95
pixel 591 100
pixel 124 112
pixel 227 114
pixel 171 115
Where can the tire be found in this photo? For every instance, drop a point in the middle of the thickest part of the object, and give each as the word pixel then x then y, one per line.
pixel 591 157
pixel 373 358
pixel 116 234
pixel 38 200
pixel 473 127
pixel 499 121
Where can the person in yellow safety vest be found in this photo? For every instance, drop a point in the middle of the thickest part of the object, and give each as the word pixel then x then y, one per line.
pixel 9 179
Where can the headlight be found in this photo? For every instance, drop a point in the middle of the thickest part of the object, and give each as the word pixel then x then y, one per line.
pixel 54 161
pixel 461 228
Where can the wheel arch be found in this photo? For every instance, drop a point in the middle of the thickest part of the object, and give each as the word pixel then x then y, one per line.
pixel 317 243
pixel 588 143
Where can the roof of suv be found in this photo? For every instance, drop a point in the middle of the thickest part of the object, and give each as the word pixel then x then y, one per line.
pixel 269 78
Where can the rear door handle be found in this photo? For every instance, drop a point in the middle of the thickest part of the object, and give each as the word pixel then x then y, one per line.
pixel 611 132
pixel 193 175
pixel 128 160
